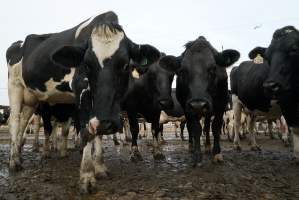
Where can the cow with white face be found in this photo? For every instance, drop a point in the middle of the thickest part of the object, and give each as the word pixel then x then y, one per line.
pixel 86 65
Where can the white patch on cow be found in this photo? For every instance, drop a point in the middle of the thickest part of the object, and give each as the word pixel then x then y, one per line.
pixel 295 133
pixel 93 124
pixel 83 91
pixel 83 25
pixel 87 168
pixel 288 30
pixel 52 95
pixel 99 166
pixel 105 42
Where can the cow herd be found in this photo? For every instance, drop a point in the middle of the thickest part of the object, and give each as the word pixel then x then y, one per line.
pixel 93 72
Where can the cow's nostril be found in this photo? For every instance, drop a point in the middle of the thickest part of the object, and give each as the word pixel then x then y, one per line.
pixel 166 104
pixel 272 86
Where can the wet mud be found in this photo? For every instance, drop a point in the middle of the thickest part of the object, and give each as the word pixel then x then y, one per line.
pixel 268 174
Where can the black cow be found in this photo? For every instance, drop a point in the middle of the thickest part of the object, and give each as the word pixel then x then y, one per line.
pixel 86 65
pixel 147 96
pixel 202 89
pixel 248 96
pixel 282 82
pixel 60 113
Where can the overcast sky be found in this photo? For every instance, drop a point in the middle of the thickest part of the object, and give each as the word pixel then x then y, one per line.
pixel 166 24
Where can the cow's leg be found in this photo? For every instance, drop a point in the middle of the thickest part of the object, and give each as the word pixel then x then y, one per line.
pixel 284 131
pixel 128 136
pixel 87 170
pixel 270 129
pixel 134 127
pixel 237 108
pixel 195 130
pixel 251 123
pixel 176 126
pixel 182 126
pixel 115 140
pixel 47 131
pixel 36 128
pixel 55 136
pixel 157 152
pixel 207 133
pixel 16 94
pixel 99 166
pixel 216 129
pixel 65 128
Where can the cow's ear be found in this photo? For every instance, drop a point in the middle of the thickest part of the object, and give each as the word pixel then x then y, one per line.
pixel 170 63
pixel 227 57
pixel 257 50
pixel 68 56
pixel 144 54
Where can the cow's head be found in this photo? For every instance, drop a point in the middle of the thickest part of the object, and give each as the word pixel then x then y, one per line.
pixel 159 79
pixel 201 67
pixel 283 57
pixel 107 56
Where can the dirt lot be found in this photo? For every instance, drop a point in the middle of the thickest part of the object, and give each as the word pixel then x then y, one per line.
pixel 269 174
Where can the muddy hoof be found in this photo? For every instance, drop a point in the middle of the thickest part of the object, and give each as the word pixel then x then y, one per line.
pixel 116 143
pixel 135 155
pixel 237 148
pixel 218 158
pixel 162 142
pixel 255 148
pixel 196 159
pixel 208 149
pixel 159 156
pixel 127 139
pixel 35 148
pixel 15 166
pixel 87 183
pixel 46 155
pixel 101 173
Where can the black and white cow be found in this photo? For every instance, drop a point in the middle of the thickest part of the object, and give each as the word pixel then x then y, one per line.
pixel 86 65
pixel 147 96
pixel 201 89
pixel 248 96
pixel 282 81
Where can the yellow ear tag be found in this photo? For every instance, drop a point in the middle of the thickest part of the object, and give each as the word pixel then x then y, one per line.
pixel 135 74
pixel 258 59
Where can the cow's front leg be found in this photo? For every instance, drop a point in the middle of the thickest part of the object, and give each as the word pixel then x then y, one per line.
pixel 208 147
pixel 237 108
pixel 157 152
pixel 216 129
pixel 87 170
pixel 134 127
pixel 99 165
pixel 195 129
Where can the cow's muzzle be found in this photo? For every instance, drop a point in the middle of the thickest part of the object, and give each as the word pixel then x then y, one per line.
pixel 103 127
pixel 199 106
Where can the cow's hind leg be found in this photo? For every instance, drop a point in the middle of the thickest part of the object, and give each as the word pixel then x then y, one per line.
pixel 65 128
pixel 36 128
pixel 237 108
pixel 251 123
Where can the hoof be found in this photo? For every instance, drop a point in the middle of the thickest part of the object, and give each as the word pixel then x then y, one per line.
pixel 46 154
pixel 127 139
pixel 87 182
pixel 208 149
pixel 116 143
pixel 35 149
pixel 15 166
pixel 218 158
pixel 159 156
pixel 196 159
pixel 63 154
pixel 101 172
pixel 135 155
pixel 163 142
pixel 237 147
pixel 256 148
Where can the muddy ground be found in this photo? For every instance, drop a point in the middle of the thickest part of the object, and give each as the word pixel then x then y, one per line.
pixel 269 174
